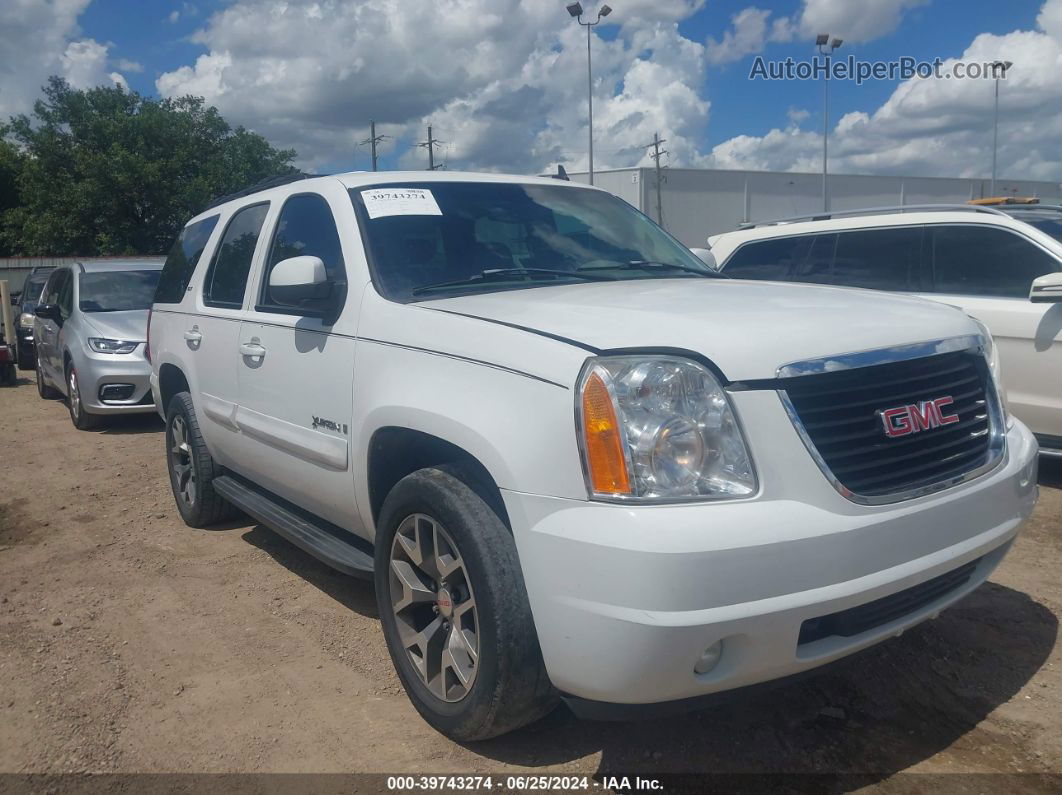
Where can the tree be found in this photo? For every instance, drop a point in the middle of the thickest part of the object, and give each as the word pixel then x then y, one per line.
pixel 10 167
pixel 109 171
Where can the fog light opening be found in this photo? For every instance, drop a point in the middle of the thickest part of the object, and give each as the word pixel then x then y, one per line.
pixel 115 393
pixel 709 658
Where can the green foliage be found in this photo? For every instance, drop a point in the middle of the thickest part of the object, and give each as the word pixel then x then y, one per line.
pixel 108 171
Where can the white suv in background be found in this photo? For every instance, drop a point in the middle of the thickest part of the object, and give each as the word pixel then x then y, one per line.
pixel 1002 266
pixel 575 461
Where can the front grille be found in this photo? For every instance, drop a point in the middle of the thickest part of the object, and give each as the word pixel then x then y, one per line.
pixel 839 414
pixel 857 620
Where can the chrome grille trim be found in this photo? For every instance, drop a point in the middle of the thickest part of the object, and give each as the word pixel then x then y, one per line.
pixel 973 344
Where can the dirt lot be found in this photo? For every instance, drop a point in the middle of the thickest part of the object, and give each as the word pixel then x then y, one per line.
pixel 129 642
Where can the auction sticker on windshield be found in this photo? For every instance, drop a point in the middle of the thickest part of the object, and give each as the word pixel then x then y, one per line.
pixel 384 202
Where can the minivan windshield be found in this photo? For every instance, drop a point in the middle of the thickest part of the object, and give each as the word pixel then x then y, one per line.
pixel 31 290
pixel 438 239
pixel 117 291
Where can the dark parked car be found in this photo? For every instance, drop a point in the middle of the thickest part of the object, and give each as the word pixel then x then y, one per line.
pixel 31 293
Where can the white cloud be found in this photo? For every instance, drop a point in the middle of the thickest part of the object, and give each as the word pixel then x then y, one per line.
pixel 941 126
pixel 129 66
pixel 84 64
pixel 502 80
pixel 851 20
pixel 797 115
pixel 748 35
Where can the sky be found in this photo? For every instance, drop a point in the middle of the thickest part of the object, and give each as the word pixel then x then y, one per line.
pixel 503 82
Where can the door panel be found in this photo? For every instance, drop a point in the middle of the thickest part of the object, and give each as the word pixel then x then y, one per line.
pixel 296 393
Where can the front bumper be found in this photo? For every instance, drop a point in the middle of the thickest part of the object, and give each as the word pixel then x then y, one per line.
pixel 97 370
pixel 627 598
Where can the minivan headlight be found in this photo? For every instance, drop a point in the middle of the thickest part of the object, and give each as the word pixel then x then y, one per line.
pixel 101 345
pixel 659 428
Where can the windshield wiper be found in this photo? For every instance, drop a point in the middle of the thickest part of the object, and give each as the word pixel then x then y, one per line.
pixel 650 267
pixel 500 273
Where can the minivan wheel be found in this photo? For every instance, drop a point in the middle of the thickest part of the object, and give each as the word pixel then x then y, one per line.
pixel 82 420
pixel 191 467
pixel 44 389
pixel 454 609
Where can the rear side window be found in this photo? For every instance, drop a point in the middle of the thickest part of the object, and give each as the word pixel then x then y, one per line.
pixel 878 259
pixel 817 266
pixel 226 280
pixel 65 295
pixel 181 262
pixel 768 259
pixel 305 228
pixel 980 260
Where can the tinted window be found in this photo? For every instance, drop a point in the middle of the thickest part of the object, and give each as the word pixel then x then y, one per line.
pixel 31 290
pixel 436 239
pixel 880 259
pixel 305 228
pixel 181 262
pixel 116 291
pixel 817 266
pixel 768 259
pixel 980 260
pixel 65 294
pixel 50 294
pixel 227 279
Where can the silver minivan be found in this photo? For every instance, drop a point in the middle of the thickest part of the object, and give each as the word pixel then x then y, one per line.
pixel 90 333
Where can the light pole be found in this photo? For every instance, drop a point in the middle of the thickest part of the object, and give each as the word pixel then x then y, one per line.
pixel 826 47
pixel 576 10
pixel 997 67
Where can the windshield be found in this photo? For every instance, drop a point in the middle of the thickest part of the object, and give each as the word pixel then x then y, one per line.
pixel 438 239
pixel 117 291
pixel 31 291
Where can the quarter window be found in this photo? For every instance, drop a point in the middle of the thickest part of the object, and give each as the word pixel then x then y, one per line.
pixel 181 262
pixel 65 298
pixel 980 260
pixel 768 259
pixel 305 228
pixel 226 280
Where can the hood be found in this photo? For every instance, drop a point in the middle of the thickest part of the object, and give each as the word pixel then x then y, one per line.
pixel 747 328
pixel 130 325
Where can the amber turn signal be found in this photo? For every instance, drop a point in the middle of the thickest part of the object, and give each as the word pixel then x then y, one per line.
pixel 604 445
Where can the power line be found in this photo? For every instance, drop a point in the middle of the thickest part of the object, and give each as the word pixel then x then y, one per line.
pixel 372 140
pixel 430 145
pixel 656 155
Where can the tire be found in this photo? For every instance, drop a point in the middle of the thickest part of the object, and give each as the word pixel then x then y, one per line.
pixel 44 389
pixel 191 467
pixel 8 375
pixel 506 686
pixel 79 415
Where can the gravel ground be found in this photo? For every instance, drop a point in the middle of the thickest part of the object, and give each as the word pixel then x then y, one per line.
pixel 131 643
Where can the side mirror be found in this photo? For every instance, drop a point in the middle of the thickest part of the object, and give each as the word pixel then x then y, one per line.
pixel 299 282
pixel 707 257
pixel 1046 289
pixel 48 312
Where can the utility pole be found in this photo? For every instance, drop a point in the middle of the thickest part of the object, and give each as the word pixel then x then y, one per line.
pixel 656 155
pixel 372 140
pixel 430 145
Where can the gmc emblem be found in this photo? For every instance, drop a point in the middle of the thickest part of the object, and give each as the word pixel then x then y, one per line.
pixel 917 417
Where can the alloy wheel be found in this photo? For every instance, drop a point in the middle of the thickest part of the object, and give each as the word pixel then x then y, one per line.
pixel 181 461
pixel 75 395
pixel 434 607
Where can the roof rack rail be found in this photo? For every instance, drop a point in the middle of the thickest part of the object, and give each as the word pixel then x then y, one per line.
pixel 899 208
pixel 1031 208
pixel 264 184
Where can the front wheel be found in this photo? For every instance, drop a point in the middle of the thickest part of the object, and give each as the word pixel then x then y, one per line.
pixel 79 415
pixel 454 609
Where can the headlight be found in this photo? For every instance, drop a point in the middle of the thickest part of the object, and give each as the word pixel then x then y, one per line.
pixel 659 428
pixel 992 357
pixel 101 345
pixel 26 320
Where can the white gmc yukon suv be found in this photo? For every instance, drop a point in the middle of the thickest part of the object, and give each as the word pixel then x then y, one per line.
pixel 576 462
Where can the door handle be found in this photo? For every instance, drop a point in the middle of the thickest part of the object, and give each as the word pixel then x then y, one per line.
pixel 252 349
pixel 193 335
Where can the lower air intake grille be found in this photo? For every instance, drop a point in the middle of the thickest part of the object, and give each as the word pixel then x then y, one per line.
pixel 856 620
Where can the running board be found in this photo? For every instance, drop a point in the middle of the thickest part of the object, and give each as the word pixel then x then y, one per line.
pixel 322 540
